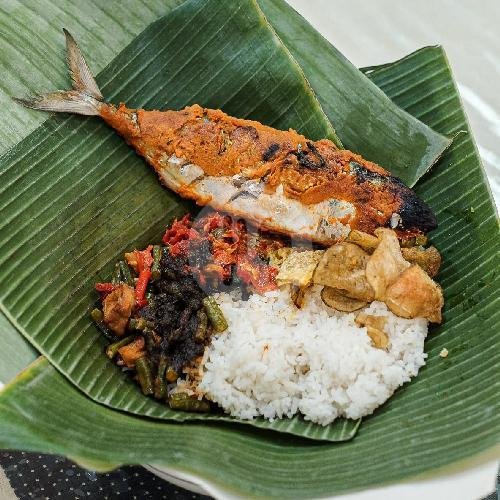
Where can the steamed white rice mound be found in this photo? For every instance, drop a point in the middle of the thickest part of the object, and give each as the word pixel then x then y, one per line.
pixel 276 360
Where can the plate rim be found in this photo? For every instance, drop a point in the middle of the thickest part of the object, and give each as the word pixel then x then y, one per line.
pixel 482 467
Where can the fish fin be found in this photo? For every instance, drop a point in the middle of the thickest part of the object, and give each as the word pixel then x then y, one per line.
pixel 84 99
pixel 62 101
pixel 79 70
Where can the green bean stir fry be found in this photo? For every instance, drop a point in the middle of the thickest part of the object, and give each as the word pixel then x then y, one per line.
pixel 158 321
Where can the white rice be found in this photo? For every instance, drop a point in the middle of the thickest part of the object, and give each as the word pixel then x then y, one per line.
pixel 276 360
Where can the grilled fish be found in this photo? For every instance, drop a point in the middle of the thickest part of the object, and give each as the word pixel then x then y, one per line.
pixel 277 179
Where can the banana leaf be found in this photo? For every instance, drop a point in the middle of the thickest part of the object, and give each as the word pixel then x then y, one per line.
pixel 16 352
pixel 87 198
pixel 105 28
pixel 33 57
pixel 30 44
pixel 448 413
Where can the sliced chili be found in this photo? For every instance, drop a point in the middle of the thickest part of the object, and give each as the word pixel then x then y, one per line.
pixel 140 287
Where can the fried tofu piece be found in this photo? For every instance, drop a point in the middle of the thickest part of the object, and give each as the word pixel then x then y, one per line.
pixel 298 267
pixel 386 263
pixel 117 308
pixel 132 352
pixel 414 294
pixel 343 267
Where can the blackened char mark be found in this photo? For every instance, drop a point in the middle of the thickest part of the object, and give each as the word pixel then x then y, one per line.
pixel 364 175
pixel 271 151
pixel 305 161
pixel 415 213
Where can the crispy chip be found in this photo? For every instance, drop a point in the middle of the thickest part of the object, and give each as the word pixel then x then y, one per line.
pixel 386 263
pixel 366 241
pixel 414 295
pixel 375 328
pixel 298 268
pixel 343 267
pixel 335 298
pixel 428 259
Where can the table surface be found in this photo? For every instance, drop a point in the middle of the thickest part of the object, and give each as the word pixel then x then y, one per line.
pixel 368 35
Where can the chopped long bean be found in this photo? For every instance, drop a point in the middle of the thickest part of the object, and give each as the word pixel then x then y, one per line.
pixel 201 330
pixel 155 267
pixel 112 349
pixel 126 274
pixel 136 324
pixel 181 401
pixel 160 385
pixel 143 369
pixel 152 339
pixel 98 317
pixel 139 324
pixel 214 314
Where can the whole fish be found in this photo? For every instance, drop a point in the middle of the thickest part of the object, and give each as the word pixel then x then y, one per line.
pixel 277 179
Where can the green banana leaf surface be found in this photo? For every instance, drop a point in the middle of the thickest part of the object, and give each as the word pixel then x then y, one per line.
pixel 108 201
pixel 17 352
pixel 34 60
pixel 448 413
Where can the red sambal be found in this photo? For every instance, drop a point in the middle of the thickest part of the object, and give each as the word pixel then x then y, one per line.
pixel 219 249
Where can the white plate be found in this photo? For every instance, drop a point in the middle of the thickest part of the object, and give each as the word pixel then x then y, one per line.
pixel 469 484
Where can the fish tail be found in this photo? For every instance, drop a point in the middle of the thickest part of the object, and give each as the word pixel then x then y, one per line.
pixel 84 99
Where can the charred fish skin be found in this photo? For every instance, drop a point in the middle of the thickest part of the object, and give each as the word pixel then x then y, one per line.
pixel 413 212
pixel 277 179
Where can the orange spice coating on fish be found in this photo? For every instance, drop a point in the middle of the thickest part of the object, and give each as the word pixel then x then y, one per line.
pixel 277 179
pixel 225 146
